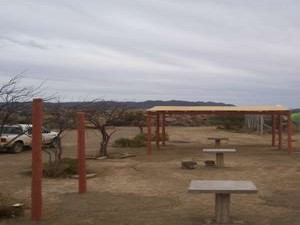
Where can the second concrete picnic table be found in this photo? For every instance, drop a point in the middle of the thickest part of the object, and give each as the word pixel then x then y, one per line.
pixel 219 154
pixel 222 190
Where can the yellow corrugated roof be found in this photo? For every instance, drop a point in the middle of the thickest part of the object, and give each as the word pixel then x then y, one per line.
pixel 217 108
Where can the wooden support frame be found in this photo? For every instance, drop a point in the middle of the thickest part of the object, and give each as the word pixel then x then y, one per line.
pixel 290 133
pixel 37 162
pixel 149 134
pixel 273 130
pixel 158 138
pixel 81 152
pixel 163 132
pixel 279 121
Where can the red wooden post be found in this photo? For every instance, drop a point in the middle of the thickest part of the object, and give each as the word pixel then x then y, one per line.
pixel 290 127
pixel 81 153
pixel 279 131
pixel 37 166
pixel 273 131
pixel 149 135
pixel 163 129
pixel 157 130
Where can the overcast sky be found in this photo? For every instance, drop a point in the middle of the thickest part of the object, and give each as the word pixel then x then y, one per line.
pixel 240 52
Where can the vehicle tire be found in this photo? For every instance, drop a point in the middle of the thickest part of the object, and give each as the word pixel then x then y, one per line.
pixel 17 147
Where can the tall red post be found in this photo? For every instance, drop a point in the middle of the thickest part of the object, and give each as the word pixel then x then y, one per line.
pixel 81 153
pixel 290 131
pixel 279 131
pixel 273 131
pixel 163 131
pixel 37 166
pixel 157 130
pixel 149 135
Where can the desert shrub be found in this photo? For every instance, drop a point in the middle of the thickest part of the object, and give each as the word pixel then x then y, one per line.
pixel 166 137
pixel 122 142
pixel 187 120
pixel 228 122
pixel 61 168
pixel 53 124
pixel 136 142
pixel 140 138
pixel 71 166
pixel 7 210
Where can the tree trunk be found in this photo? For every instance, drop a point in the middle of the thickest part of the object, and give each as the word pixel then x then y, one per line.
pixel 141 129
pixel 59 144
pixel 60 149
pixel 104 142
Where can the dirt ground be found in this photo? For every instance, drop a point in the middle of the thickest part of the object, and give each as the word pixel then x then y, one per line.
pixel 153 189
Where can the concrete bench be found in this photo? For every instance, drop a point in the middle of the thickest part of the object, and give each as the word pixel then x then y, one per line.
pixel 219 154
pixel 218 140
pixel 222 190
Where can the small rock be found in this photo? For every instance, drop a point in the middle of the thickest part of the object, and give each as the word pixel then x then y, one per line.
pixel 17 205
pixel 188 165
pixel 89 175
pixel 90 157
pixel 209 163
pixel 126 155
pixel 103 157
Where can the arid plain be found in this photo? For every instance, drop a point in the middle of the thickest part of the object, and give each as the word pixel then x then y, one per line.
pixel 152 189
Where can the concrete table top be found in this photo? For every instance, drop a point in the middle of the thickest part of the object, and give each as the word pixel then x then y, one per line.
pixel 219 150
pixel 222 187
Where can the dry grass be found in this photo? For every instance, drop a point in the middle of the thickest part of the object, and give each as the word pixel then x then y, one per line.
pixel 153 189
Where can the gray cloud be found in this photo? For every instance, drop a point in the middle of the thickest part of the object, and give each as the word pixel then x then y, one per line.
pixel 240 52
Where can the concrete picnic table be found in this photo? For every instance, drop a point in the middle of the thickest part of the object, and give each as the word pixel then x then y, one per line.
pixel 219 154
pixel 218 140
pixel 222 190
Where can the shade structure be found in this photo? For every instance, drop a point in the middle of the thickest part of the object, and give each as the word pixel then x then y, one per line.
pixel 220 109
pixel 275 111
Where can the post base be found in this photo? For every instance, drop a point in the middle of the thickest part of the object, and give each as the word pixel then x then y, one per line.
pixel 220 159
pixel 222 208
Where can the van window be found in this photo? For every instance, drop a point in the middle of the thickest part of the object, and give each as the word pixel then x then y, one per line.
pixel 12 130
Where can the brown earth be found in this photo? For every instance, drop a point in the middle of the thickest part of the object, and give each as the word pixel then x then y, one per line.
pixel 153 189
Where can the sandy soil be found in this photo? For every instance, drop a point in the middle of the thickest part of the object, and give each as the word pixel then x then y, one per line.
pixel 153 189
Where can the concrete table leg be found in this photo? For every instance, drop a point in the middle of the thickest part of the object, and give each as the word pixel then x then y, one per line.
pixel 220 159
pixel 222 208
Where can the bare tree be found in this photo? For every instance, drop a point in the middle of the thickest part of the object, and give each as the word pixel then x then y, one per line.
pixel 103 117
pixel 60 118
pixel 15 100
pixel 136 118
